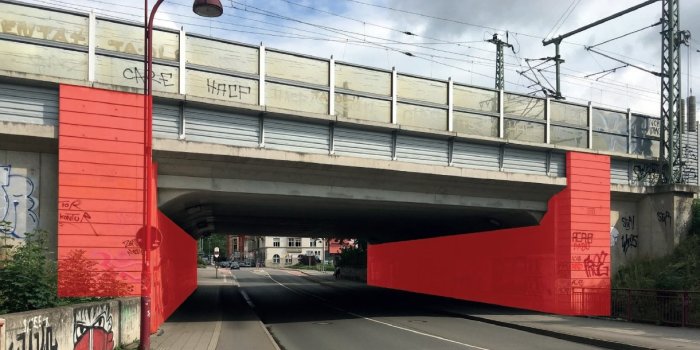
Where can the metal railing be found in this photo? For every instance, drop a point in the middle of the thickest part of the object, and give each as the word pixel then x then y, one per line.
pixel 667 307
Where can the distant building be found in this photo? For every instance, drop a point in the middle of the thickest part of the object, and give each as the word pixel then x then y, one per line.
pixel 284 251
pixel 335 245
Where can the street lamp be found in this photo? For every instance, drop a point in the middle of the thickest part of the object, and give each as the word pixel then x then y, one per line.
pixel 204 8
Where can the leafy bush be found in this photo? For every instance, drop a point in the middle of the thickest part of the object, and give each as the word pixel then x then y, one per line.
pixel 353 257
pixel 695 218
pixel 28 277
pixel 677 271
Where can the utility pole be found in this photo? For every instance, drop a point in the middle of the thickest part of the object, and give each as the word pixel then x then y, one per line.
pixel 499 59
pixel 671 123
pixel 557 41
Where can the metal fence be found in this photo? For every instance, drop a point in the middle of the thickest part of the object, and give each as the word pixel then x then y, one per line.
pixel 668 307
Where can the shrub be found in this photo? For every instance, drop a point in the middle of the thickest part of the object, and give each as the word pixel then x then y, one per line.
pixel 28 277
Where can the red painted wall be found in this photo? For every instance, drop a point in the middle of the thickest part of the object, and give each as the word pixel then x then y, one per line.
pixel 560 266
pixel 100 190
pixel 101 206
pixel 174 270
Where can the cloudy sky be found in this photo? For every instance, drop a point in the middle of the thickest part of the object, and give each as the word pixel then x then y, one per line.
pixel 446 38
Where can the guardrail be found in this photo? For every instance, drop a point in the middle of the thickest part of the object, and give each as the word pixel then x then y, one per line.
pixel 668 307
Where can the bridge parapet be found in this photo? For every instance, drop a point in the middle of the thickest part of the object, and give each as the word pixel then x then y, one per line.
pixel 435 118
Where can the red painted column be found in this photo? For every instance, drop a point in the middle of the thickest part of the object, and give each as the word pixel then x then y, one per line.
pixel 101 196
pixel 559 266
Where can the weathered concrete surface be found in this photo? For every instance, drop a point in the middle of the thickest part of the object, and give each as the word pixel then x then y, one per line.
pixel 649 223
pixel 103 324
pixel 129 320
pixel 343 196
pixel 3 346
pixel 28 194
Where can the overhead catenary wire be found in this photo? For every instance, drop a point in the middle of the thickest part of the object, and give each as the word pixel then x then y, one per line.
pixel 564 16
pixel 624 35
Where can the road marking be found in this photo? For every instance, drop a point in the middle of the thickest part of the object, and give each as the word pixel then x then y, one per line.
pixel 215 336
pixel 235 281
pixel 247 299
pixel 327 303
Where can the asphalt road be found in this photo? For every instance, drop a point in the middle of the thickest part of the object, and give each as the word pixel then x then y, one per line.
pixel 302 313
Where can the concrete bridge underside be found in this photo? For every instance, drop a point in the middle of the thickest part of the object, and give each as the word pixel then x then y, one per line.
pixel 324 195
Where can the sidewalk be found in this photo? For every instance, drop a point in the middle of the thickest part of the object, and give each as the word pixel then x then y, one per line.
pixel 606 333
pixel 215 316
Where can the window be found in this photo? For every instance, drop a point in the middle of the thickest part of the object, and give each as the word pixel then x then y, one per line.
pixel 312 243
pixel 288 259
pixel 276 259
pixel 276 242
pixel 294 242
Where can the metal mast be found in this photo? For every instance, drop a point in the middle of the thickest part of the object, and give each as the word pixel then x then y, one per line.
pixel 671 123
pixel 499 59
pixel 557 41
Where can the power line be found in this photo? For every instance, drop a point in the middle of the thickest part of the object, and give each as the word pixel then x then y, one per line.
pixel 624 35
pixel 564 16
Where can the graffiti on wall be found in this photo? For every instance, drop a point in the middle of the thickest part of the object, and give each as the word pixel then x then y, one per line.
pixel 92 328
pixel 648 173
pixel 36 334
pixel 690 170
pixel 664 217
pixel 18 204
pixel 581 241
pixel 629 241
pixel 595 265
pixel 614 235
pixel 69 212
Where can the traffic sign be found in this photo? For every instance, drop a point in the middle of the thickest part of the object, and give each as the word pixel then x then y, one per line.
pixel 216 252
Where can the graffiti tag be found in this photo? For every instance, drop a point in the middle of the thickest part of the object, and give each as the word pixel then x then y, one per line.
pixel 629 241
pixel 582 240
pixel 92 328
pixel 664 216
pixel 36 334
pixel 594 266
pixel 18 205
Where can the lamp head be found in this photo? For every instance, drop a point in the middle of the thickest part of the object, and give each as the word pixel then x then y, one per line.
pixel 208 8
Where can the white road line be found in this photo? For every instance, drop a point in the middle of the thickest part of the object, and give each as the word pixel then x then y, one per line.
pixel 327 303
pixel 235 280
pixel 247 299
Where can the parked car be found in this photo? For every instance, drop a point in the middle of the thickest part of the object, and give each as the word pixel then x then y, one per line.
pixel 235 265
pixel 245 263
pixel 225 264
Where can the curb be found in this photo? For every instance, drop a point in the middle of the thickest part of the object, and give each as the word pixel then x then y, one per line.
pixel 607 344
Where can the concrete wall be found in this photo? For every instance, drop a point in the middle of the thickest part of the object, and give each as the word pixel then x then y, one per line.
pixel 103 324
pixel 625 231
pixel 28 194
pixel 650 227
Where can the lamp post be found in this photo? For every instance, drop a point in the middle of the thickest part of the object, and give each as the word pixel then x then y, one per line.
pixel 204 8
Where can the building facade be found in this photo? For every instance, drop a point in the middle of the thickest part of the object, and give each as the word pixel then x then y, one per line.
pixel 284 251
